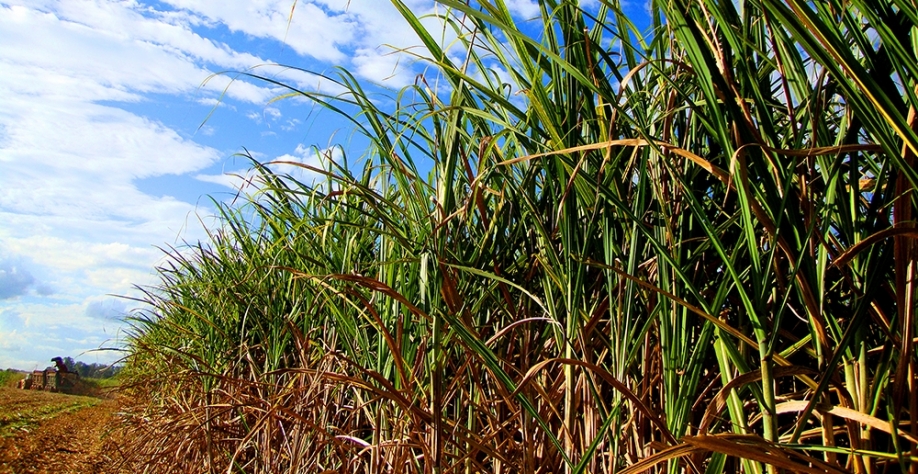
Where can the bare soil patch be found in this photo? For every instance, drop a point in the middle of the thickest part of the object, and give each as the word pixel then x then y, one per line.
pixel 44 432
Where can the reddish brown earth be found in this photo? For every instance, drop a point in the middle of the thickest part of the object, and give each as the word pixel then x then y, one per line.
pixel 63 434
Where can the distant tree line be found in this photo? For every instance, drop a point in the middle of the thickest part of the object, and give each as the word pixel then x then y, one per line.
pixel 97 371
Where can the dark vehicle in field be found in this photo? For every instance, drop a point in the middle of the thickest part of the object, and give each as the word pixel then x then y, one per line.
pixel 52 379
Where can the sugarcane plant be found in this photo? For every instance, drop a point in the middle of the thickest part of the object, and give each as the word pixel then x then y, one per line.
pixel 570 246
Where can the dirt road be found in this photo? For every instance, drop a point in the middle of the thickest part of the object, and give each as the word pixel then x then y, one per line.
pixel 55 433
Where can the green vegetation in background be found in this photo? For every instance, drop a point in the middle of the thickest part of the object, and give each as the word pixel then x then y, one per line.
pixel 689 249
pixel 92 370
pixel 110 382
pixel 10 377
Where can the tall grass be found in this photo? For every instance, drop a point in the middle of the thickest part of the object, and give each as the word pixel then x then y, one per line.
pixel 10 377
pixel 688 249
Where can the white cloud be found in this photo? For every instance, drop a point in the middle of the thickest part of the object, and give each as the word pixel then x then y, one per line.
pixel 108 309
pixel 233 86
pixel 54 323
pixel 383 67
pixel 68 162
pixel 82 267
pixel 85 54
pixel 214 102
pixel 319 38
pixel 14 280
pixel 291 125
pixel 71 154
pixel 115 51
pixel 231 180
pixel 363 35
pixel 296 165
pixel 525 9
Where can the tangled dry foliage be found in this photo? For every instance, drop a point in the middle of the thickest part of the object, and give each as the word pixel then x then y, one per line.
pixel 689 250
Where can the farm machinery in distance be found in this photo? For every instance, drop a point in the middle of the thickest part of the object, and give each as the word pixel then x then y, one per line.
pixel 53 379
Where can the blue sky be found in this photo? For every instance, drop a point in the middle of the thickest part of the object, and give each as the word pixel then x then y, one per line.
pixel 114 130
